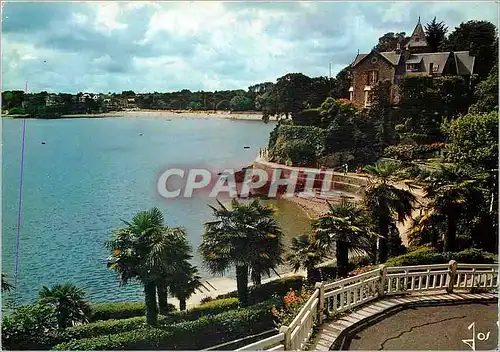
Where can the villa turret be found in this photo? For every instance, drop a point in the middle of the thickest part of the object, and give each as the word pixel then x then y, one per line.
pixel 415 58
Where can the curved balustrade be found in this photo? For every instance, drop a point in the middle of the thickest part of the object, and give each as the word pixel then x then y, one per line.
pixel 341 295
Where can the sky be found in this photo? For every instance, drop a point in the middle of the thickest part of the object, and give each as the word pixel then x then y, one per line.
pixel 105 47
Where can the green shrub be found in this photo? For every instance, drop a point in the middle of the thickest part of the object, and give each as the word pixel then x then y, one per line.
pixel 299 145
pixel 420 256
pixel 308 117
pixel 425 255
pixel 114 326
pixel 104 327
pixel 202 333
pixel 210 308
pixel 472 256
pixel 294 152
pixel 117 310
pixel 30 327
pixel 276 288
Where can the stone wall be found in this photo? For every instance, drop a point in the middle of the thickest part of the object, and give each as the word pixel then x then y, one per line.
pixel 385 72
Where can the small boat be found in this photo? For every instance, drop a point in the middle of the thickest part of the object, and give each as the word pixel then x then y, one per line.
pixel 43 142
pixel 246 147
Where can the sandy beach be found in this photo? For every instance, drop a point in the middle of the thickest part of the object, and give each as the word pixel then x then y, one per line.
pixel 169 114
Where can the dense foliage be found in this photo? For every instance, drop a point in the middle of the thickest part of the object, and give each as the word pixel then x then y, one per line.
pixel 424 256
pixel 202 333
pixel 473 140
pixel 115 326
pixel 274 288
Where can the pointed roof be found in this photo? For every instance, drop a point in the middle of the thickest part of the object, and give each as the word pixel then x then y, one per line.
pixel 417 38
pixel 390 57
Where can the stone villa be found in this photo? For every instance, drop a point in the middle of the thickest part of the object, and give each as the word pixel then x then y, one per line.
pixel 415 58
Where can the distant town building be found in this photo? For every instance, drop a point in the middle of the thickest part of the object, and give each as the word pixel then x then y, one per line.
pixel 413 59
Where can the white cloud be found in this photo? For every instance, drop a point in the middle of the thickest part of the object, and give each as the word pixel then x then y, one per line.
pixel 148 46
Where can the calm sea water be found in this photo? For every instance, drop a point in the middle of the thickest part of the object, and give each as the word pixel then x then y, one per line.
pixel 90 174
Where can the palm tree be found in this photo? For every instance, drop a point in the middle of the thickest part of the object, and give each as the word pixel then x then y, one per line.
pixel 245 236
pixel 184 284
pixel 345 227
pixel 6 286
pixel 385 201
pixel 426 229
pixel 304 254
pixel 68 302
pixel 454 194
pixel 268 242
pixel 151 253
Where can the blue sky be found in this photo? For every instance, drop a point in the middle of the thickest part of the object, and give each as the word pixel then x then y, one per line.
pixel 168 46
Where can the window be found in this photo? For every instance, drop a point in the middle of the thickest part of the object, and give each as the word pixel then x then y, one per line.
pixel 368 96
pixel 412 67
pixel 351 93
pixel 435 68
pixel 371 77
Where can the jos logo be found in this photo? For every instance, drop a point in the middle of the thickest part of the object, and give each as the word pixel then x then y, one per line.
pixel 481 336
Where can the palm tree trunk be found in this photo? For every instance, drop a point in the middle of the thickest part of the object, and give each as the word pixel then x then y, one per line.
pixel 242 284
pixel 382 241
pixel 256 278
pixel 310 274
pixel 151 308
pixel 451 234
pixel 162 298
pixel 342 256
pixel 182 303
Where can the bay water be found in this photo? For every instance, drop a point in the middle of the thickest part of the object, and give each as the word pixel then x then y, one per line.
pixel 83 175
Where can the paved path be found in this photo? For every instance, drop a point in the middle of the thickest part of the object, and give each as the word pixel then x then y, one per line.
pixel 431 328
pixel 333 333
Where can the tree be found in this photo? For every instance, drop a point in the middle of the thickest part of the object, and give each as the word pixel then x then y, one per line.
pixel 480 38
pixel 12 99
pixel 304 254
pixel 389 41
pixel 346 228
pixel 184 284
pixel 195 105
pixel 68 301
pixel 386 202
pixel 342 83
pixel 435 34
pixel 486 93
pixel 454 194
pixel 425 102
pixel 245 236
pixel 267 103
pixel 241 103
pixel 149 252
pixel 293 93
pixel 473 140
pixel 6 286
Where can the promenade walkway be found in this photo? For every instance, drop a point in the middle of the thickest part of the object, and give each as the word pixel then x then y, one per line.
pixel 339 306
pixel 334 334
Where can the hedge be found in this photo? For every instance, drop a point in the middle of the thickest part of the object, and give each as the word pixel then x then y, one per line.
pixel 423 256
pixel 117 310
pixel 277 288
pixel 114 326
pixel 120 310
pixel 202 333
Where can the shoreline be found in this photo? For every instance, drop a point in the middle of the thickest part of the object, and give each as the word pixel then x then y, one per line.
pixel 165 114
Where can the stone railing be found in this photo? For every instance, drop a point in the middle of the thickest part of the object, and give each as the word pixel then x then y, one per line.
pixel 339 296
